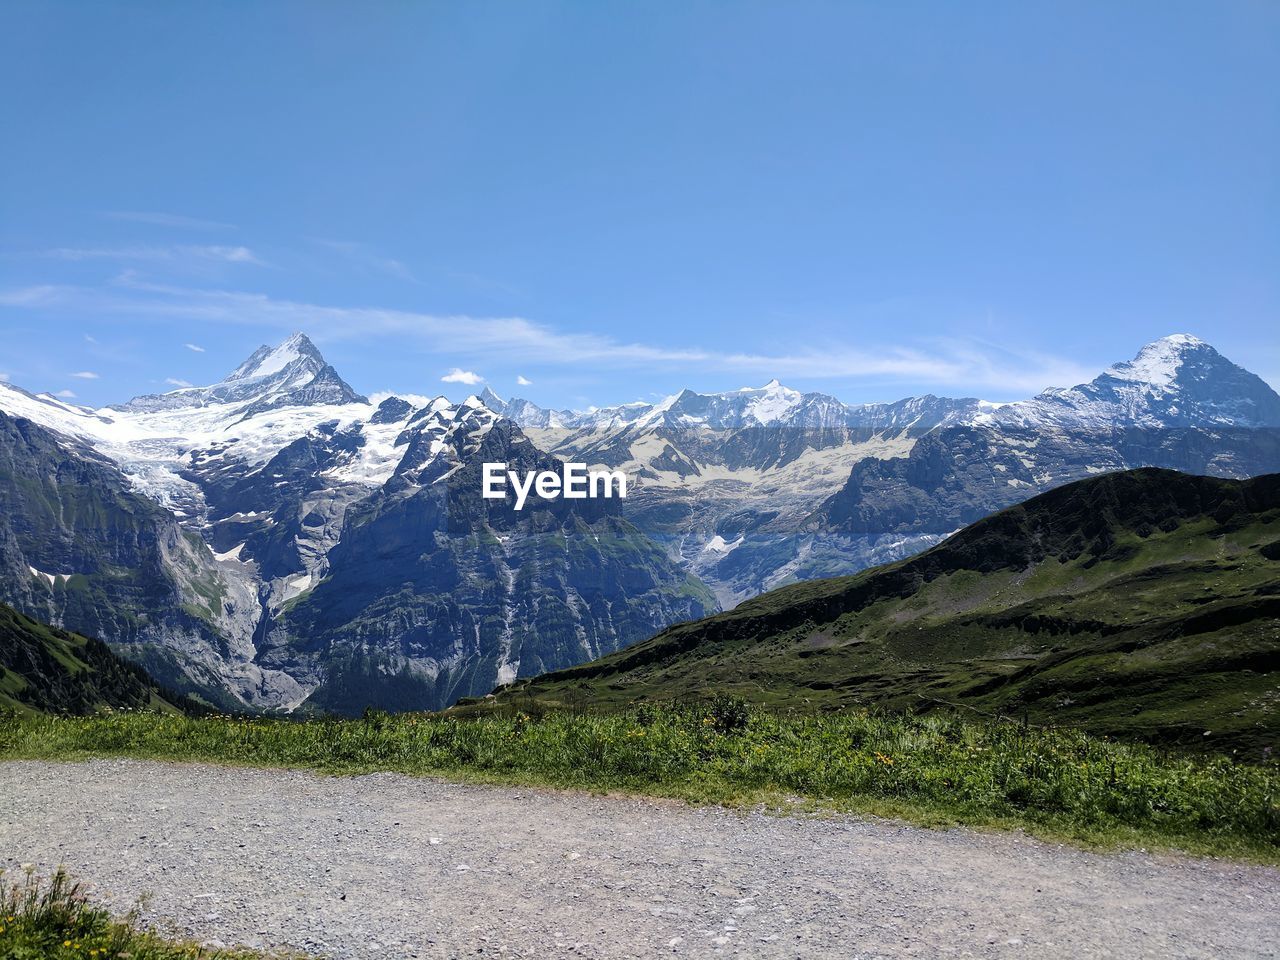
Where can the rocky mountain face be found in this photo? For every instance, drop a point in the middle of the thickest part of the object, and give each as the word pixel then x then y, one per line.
pixel 81 550
pixel 449 593
pixel 290 542
pixel 279 540
pixel 711 471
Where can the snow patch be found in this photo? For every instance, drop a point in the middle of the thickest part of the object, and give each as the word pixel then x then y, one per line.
pixel 232 554
pixel 717 544
pixel 50 577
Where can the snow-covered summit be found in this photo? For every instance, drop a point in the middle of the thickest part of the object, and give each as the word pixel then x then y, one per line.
pixel 291 373
pixel 1175 381
pixel 771 403
pixel 492 400
pixel 278 395
pixel 268 360
pixel 1160 361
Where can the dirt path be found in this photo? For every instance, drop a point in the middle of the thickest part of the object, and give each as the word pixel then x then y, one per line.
pixel 391 866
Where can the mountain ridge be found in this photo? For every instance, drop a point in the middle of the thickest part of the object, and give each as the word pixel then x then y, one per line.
pixel 265 475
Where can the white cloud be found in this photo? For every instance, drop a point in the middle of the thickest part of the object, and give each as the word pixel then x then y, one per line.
pixel 167 220
pixel 962 365
pixel 194 347
pixel 462 376
pixel 175 382
pixel 522 381
pixel 4 378
pixel 89 339
pixel 85 375
pixel 66 394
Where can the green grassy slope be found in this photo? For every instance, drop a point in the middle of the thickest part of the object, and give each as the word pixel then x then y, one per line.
pixel 44 669
pixel 1142 604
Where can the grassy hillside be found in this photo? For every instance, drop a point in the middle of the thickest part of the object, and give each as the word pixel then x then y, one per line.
pixel 44 669
pixel 1141 604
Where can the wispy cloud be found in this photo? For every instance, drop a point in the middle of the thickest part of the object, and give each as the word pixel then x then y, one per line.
pixel 194 347
pixel 66 394
pixel 38 295
pixel 462 376
pixel 110 253
pixel 966 365
pixel 175 382
pixel 166 254
pixel 85 375
pixel 229 254
pixel 90 339
pixel 167 220
pixel 4 378
pixel 366 259
pixel 524 381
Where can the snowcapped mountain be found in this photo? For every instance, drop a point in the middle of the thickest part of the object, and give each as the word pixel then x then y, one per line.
pixel 290 374
pixel 708 469
pixel 1178 404
pixel 754 487
pixel 772 405
pixel 276 396
pixel 1176 381
pixel 281 541
pixel 261 477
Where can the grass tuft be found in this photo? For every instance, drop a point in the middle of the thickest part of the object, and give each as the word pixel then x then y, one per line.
pixel 52 920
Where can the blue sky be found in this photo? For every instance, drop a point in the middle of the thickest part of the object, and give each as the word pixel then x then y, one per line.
pixel 613 201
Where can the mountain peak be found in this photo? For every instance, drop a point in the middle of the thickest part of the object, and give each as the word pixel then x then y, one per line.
pixel 1179 340
pixel 1175 381
pixel 492 400
pixel 268 360
pixel 291 373
pixel 773 386
pixel 1161 361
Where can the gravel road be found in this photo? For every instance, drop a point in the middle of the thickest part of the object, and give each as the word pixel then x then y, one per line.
pixel 390 866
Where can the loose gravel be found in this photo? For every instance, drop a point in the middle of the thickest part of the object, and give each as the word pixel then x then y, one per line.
pixel 390 866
